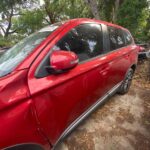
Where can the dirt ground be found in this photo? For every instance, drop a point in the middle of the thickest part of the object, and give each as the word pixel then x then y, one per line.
pixel 122 123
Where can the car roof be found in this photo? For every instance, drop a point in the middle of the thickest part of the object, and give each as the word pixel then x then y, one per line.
pixel 87 20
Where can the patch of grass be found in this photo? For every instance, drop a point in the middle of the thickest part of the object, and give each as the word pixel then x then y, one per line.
pixel 5 42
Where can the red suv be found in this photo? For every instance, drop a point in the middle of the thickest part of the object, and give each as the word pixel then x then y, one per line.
pixel 53 79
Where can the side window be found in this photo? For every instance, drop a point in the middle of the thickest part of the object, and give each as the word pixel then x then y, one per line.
pixel 128 38
pixel 85 40
pixel 112 38
pixel 116 38
pixel 120 38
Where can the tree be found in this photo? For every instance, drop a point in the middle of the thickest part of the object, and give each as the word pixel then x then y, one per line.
pixel 29 22
pixel 115 10
pixel 94 8
pixel 8 10
pixel 26 16
pixel 77 9
pixel 132 15
pixel 59 10
pixel 110 8
pixel 147 26
pixel 54 10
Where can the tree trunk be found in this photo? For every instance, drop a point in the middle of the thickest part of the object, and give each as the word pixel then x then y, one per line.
pixel 48 11
pixel 50 16
pixel 115 10
pixel 9 19
pixel 94 8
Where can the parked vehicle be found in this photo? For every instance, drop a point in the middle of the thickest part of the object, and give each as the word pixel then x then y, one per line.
pixel 55 78
pixel 143 52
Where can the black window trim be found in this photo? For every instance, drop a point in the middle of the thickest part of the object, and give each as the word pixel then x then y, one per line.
pixel 106 48
pixel 109 51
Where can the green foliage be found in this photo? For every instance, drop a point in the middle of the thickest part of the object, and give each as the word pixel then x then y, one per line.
pixel 106 7
pixel 77 9
pixel 142 32
pixel 29 21
pixel 132 15
pixel 10 9
pixel 58 10
pixel 54 9
pixel 8 4
pixel 5 42
pixel 146 30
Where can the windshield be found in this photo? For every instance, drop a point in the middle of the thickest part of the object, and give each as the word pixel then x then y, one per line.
pixel 12 57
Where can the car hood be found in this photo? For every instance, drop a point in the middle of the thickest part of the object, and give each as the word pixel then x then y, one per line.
pixel 13 88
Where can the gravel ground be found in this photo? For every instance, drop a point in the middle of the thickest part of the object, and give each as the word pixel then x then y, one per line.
pixel 122 123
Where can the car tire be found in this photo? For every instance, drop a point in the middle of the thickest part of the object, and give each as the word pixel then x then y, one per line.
pixel 125 86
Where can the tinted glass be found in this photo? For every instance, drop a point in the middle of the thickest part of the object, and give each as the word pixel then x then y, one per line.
pixel 120 38
pixel 12 57
pixel 85 40
pixel 128 38
pixel 116 38
pixel 112 38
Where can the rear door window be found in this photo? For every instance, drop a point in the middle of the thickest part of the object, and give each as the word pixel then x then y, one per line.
pixel 120 38
pixel 116 38
pixel 85 40
pixel 128 38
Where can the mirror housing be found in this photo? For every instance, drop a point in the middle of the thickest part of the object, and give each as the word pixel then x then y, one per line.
pixel 61 61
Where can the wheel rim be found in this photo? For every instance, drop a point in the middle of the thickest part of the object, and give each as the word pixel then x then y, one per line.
pixel 128 80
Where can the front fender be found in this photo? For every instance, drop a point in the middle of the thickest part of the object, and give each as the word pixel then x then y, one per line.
pixel 18 125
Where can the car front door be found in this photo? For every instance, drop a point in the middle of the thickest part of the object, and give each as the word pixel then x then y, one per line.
pixel 60 99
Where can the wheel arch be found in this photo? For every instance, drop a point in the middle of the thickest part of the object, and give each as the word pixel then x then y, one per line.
pixel 133 67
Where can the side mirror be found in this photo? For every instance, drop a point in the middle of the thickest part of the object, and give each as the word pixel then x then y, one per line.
pixel 61 61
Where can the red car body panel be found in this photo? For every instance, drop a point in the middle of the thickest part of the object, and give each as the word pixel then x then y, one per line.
pixel 140 48
pixel 17 116
pixel 84 85
pixel 38 110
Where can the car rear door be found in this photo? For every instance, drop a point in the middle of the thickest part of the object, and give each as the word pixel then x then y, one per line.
pixel 118 56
